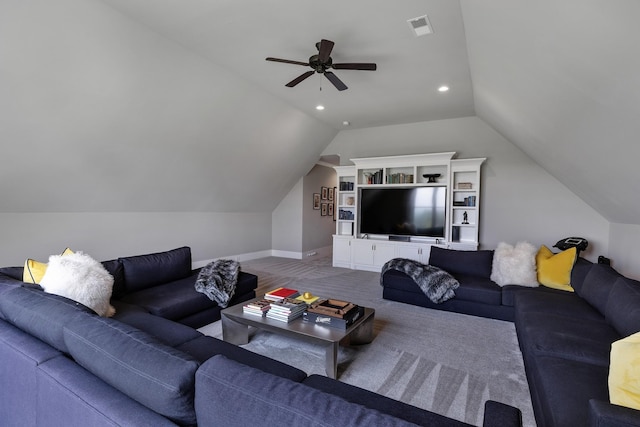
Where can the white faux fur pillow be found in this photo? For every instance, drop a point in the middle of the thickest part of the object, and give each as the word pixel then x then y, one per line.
pixel 79 277
pixel 515 265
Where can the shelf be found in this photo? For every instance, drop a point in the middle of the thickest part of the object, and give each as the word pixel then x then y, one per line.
pixel 464 225
pixel 468 208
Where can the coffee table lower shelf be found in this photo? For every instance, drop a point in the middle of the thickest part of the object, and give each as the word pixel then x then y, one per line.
pixel 235 330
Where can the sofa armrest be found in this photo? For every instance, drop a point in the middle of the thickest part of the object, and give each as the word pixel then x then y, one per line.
pixel 604 414
pixel 498 414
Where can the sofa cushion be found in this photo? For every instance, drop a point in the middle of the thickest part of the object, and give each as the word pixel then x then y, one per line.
pixel 580 270
pixel 588 342
pixel 472 288
pixel 171 333
pixel 478 289
pixel 598 284
pixel 554 270
pixel 472 263
pixel 145 271
pixel 116 269
pixel 137 364
pixel 41 314
pixel 564 388
pixel 171 300
pixel 623 307
pixel 231 394
pixel 624 375
pixel 558 303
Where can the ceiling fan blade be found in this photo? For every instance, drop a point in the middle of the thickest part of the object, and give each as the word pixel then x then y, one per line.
pixel 324 51
pixel 335 80
pixel 355 66
pixel 300 78
pixel 287 61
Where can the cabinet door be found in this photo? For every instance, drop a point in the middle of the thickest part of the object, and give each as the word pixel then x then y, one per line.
pixel 341 252
pixel 383 252
pixel 416 252
pixel 363 252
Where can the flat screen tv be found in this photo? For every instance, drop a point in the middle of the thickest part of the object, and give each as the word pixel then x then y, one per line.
pixel 415 211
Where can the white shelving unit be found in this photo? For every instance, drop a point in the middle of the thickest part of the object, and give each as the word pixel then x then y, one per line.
pixel 346 197
pixel 465 201
pixel 352 250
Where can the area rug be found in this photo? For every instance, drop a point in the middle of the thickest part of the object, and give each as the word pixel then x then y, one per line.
pixel 443 362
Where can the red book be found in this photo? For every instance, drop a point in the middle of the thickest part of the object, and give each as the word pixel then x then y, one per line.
pixel 281 293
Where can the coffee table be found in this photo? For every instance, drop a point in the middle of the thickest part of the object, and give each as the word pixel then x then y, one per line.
pixel 235 330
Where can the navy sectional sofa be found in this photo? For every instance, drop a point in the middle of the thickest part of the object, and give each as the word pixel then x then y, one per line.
pixel 477 295
pixel 565 337
pixel 63 365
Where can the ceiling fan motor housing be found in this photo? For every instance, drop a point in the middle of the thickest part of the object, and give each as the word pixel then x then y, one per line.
pixel 320 67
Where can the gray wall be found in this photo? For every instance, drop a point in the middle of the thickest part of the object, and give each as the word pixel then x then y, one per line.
pixel 520 201
pixel 118 141
pixel 287 221
pixel 624 249
pixel 298 228
pixel 110 235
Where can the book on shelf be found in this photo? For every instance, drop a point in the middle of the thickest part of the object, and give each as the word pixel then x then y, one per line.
pixel 280 294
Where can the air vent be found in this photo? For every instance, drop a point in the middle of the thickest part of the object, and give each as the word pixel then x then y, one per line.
pixel 420 26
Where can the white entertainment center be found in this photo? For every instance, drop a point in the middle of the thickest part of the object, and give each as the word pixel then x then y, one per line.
pixel 460 178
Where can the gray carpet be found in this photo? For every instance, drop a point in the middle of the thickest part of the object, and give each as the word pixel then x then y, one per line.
pixel 444 362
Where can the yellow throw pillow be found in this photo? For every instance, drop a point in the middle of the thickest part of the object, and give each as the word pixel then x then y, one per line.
pixel 624 372
pixel 554 270
pixel 34 270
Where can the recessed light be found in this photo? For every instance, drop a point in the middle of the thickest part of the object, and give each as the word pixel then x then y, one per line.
pixel 319 107
pixel 345 123
pixel 443 89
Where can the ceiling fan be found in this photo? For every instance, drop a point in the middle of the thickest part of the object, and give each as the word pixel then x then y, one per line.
pixel 321 63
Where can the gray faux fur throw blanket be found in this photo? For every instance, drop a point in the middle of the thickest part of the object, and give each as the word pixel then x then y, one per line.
pixel 218 279
pixel 437 284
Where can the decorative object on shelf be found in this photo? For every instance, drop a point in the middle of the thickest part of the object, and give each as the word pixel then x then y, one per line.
pixel 323 209
pixel 465 186
pixel 316 201
pixel 330 194
pixel 351 201
pixel 432 177
pixel 325 192
pixel 465 218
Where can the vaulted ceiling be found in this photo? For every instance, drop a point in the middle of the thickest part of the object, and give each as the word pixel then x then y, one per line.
pixel 558 78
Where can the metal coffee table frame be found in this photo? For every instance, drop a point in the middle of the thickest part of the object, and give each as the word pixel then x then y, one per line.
pixel 235 330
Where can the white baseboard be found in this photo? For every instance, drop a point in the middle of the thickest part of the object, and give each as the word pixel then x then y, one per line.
pixel 324 251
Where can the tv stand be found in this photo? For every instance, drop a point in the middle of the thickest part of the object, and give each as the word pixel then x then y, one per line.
pixel 461 177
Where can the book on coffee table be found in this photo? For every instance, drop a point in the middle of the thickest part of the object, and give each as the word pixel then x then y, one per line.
pixel 281 293
pixel 286 310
